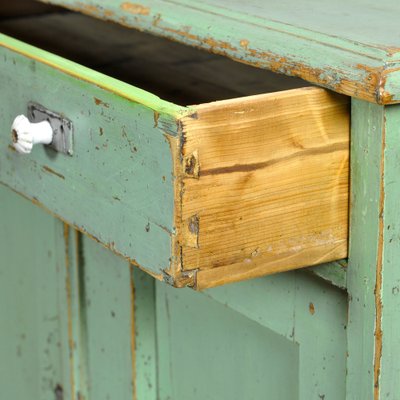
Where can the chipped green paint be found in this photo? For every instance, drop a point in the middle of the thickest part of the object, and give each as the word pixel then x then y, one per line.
pixel 373 271
pixel 34 346
pixel 122 139
pixel 355 56
pixel 145 336
pixel 69 318
pixel 88 75
pixel 107 319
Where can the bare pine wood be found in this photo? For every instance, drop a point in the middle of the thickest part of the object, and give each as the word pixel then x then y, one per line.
pixel 264 185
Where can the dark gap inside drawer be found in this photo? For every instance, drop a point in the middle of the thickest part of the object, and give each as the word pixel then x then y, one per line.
pixel 173 71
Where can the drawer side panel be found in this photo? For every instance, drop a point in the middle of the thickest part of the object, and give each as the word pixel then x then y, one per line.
pixel 265 185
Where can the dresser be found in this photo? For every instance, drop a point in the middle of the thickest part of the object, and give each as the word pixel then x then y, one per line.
pixel 199 200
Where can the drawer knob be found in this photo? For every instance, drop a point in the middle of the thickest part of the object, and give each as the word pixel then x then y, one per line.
pixel 25 134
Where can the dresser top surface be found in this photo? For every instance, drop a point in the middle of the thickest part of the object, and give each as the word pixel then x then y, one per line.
pixel 369 22
pixel 350 46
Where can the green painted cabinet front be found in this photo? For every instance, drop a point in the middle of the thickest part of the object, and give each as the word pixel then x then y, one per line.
pixel 78 322
pixel 34 349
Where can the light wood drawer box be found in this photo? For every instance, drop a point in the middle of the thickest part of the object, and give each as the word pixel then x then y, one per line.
pixel 195 195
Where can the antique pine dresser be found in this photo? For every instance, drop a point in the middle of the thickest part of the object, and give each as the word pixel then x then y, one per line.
pixel 206 206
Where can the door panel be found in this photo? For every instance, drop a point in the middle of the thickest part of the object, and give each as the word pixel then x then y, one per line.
pixel 106 322
pixel 33 307
pixel 279 337
pixel 79 322
pixel 69 327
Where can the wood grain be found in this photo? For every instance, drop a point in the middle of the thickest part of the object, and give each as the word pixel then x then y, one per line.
pixel 272 186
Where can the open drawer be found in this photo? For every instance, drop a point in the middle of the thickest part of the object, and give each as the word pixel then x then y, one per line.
pixel 196 195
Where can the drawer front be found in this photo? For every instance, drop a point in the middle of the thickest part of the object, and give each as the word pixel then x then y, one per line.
pixel 197 196
pixel 118 185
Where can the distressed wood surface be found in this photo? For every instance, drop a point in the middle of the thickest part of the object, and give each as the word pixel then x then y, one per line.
pixel 146 61
pixel 107 322
pixel 278 337
pixel 286 321
pixel 77 322
pixel 265 185
pixel 34 312
pixel 118 166
pixel 334 272
pixel 373 272
pixel 118 184
pixel 350 47
pixel 145 336
pixel 133 178
pixel 111 325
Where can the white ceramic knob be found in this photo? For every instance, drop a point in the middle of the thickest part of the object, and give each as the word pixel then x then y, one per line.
pixel 25 134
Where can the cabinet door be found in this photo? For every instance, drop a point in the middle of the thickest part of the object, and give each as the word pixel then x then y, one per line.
pixel 76 321
pixel 34 350
pixel 278 337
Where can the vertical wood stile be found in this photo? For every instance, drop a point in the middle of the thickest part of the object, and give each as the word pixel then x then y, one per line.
pixel 373 272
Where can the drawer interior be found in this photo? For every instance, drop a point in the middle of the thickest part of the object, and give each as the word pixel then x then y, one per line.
pixel 174 72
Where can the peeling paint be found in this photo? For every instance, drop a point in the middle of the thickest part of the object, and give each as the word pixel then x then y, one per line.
pixel 181 279
pixel 100 102
pixel 244 43
pixel 191 165
pixel 134 8
pixel 156 117
pixel 214 44
pixel 378 282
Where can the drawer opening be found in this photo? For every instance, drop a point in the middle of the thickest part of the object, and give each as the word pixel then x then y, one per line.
pixel 198 169
pixel 173 71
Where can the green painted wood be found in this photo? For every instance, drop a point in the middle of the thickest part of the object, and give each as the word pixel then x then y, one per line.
pixel 389 382
pixel 34 346
pixel 345 46
pixel 107 322
pixel 118 185
pixel 145 336
pixel 77 327
pixel 279 337
pixel 116 320
pixel 88 75
pixel 150 62
pixel 366 153
pixel 373 272
pixel 333 272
